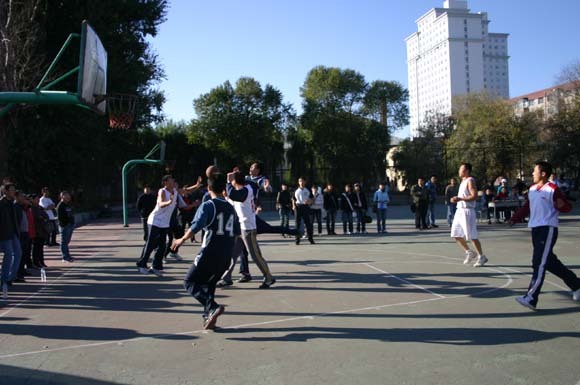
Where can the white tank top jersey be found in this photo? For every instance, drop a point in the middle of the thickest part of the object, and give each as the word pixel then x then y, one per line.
pixel 161 217
pixel 542 210
pixel 246 210
pixel 463 192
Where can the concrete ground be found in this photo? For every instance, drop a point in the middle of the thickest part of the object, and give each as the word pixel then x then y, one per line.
pixel 399 308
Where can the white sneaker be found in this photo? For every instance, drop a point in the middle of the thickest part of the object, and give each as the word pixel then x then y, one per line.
pixel 175 256
pixel 522 301
pixel 469 257
pixel 143 270
pixel 481 260
pixel 158 273
pixel 576 295
pixel 304 236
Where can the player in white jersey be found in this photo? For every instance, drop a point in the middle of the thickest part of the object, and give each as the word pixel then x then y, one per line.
pixel 158 222
pixel 545 202
pixel 464 226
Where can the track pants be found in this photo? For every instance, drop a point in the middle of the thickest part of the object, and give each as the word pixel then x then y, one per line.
pixel 543 239
pixel 155 241
pixel 250 242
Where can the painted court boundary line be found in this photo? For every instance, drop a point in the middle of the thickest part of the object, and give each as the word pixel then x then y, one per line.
pixel 254 324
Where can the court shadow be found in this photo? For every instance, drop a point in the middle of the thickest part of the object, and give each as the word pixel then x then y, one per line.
pixel 444 336
pixel 82 333
pixel 14 375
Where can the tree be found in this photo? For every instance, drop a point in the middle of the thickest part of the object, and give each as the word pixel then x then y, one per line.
pixel 66 147
pixel 490 136
pixel 344 143
pixel 244 123
pixel 387 101
pixel 570 74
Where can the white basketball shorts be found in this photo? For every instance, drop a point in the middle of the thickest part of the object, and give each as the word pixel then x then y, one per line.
pixel 464 224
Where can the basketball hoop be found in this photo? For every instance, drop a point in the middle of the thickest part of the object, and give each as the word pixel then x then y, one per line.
pixel 121 110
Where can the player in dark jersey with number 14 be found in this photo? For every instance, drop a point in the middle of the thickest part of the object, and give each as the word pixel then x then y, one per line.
pixel 221 225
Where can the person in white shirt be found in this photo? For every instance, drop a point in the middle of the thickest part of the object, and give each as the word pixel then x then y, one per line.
pixel 316 208
pixel 50 209
pixel 464 226
pixel 545 202
pixel 241 196
pixel 380 200
pixel 302 202
pixel 159 223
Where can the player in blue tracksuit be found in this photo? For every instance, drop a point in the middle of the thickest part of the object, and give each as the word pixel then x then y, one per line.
pixel 220 223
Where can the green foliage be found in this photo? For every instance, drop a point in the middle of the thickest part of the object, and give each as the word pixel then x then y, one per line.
pixel 338 136
pixel 242 124
pixel 563 132
pixel 67 147
pixel 387 102
pixel 490 136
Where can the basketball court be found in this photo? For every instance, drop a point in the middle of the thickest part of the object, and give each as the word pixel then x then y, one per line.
pixel 400 308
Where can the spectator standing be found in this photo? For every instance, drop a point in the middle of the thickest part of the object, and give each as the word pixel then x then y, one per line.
pixel 284 206
pixel 347 208
pixel 381 200
pixel 41 224
pixel 9 236
pixel 302 201
pixel 331 206
pixel 50 208
pixel 420 196
pixel 360 206
pixel 25 219
pixel 431 186
pixel 66 222
pixel 316 207
pixel 146 204
pixel 451 191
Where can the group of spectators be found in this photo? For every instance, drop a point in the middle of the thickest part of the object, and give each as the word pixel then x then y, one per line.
pixel 308 205
pixel 28 223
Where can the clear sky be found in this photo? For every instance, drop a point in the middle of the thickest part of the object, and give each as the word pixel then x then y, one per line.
pixel 204 43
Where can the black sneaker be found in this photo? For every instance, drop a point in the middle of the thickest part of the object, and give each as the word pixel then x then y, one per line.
pixel 244 278
pixel 224 283
pixel 311 241
pixel 266 285
pixel 211 320
pixel 69 259
pixel 434 225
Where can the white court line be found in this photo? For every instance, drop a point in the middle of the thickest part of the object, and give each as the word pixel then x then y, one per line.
pixel 308 317
pixel 457 259
pixel 51 282
pixel 136 339
pixel 404 280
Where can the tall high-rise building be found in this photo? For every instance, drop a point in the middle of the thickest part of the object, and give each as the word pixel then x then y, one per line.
pixel 453 53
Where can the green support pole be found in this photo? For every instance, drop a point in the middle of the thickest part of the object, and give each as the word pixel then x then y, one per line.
pixel 125 171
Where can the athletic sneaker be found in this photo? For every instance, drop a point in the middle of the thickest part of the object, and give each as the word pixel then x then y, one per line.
pixel 224 283
pixel 158 273
pixel 576 295
pixel 244 278
pixel 481 260
pixel 469 257
pixel 143 270
pixel 175 256
pixel 211 320
pixel 266 285
pixel 68 259
pixel 522 301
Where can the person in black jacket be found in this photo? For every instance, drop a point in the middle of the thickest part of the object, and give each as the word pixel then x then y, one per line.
pixel 145 204
pixel 346 205
pixel 331 206
pixel 9 236
pixel 41 223
pixel 284 206
pixel 360 205
pixel 420 196
pixel 66 222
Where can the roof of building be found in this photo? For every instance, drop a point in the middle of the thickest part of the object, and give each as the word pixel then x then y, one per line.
pixel 538 94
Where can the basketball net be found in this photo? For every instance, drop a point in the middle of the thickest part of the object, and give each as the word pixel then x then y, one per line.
pixel 121 110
